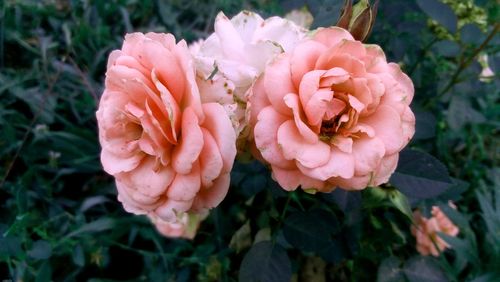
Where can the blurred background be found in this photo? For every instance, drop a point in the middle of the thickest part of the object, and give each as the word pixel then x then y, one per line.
pixel 59 217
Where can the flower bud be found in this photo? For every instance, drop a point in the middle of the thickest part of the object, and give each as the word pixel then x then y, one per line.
pixel 358 19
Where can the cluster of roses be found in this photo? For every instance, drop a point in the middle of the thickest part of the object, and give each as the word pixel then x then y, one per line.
pixel 320 108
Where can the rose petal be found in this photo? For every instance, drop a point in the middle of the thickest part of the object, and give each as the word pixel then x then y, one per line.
pixel 185 186
pixel 339 164
pixel 278 83
pixel 292 101
pixel 210 159
pixel 295 147
pixel 218 124
pixel 266 132
pixel 190 145
pixel 212 196
pixel 303 59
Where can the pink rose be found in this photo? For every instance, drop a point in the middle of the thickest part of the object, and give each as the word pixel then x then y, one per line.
pixel 185 227
pixel 169 153
pixel 331 113
pixel 426 231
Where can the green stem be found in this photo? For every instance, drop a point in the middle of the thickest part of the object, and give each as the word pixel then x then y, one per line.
pixel 464 63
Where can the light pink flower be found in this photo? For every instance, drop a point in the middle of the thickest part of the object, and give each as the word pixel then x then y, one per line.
pixel 331 113
pixel 169 153
pixel 232 58
pixel 426 231
pixel 185 227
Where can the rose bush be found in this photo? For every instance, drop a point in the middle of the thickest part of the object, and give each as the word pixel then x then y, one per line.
pixel 426 231
pixel 169 152
pixel 332 112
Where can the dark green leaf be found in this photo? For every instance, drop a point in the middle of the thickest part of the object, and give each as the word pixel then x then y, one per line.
pixel 265 262
pixel 440 12
pixel 101 224
pixel 460 113
pixel 345 200
pixel 447 48
pixel 471 34
pixel 390 270
pixel 44 272
pixel 420 268
pixel 78 256
pixel 425 126
pixel 420 175
pixel 41 250
pixel 310 231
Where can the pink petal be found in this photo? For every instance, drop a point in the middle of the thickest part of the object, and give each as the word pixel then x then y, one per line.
pixel 344 144
pixel 278 83
pixel 190 145
pixel 295 147
pixel 292 101
pixel 266 140
pixel 334 76
pixel 367 152
pixel 339 164
pixel 385 169
pixel 185 186
pixel 318 106
pixel 387 125
pixel 169 209
pixel 210 159
pixel 167 69
pixel 220 127
pixel 147 179
pixel 304 58
pixel 331 36
pixel 403 80
pixel 114 164
pixel 291 179
pixel 347 62
pixel 257 100
pixel 309 85
pixel 212 196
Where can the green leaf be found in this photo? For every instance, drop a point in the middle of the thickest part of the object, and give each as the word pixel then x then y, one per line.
pixel 310 231
pixel 440 12
pixel 447 48
pixel 265 262
pixel 425 127
pixel 99 225
pixel 471 34
pixel 401 203
pixel 345 200
pixel 420 175
pixel 420 268
pixel 78 256
pixel 41 250
pixel 44 273
pixel 461 112
pixel 390 270
pixel 242 238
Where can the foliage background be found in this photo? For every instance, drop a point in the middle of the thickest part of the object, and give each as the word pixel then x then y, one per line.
pixel 59 217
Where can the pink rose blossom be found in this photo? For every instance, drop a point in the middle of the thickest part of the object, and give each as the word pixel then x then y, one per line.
pixel 330 113
pixel 426 231
pixel 185 227
pixel 232 58
pixel 169 152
